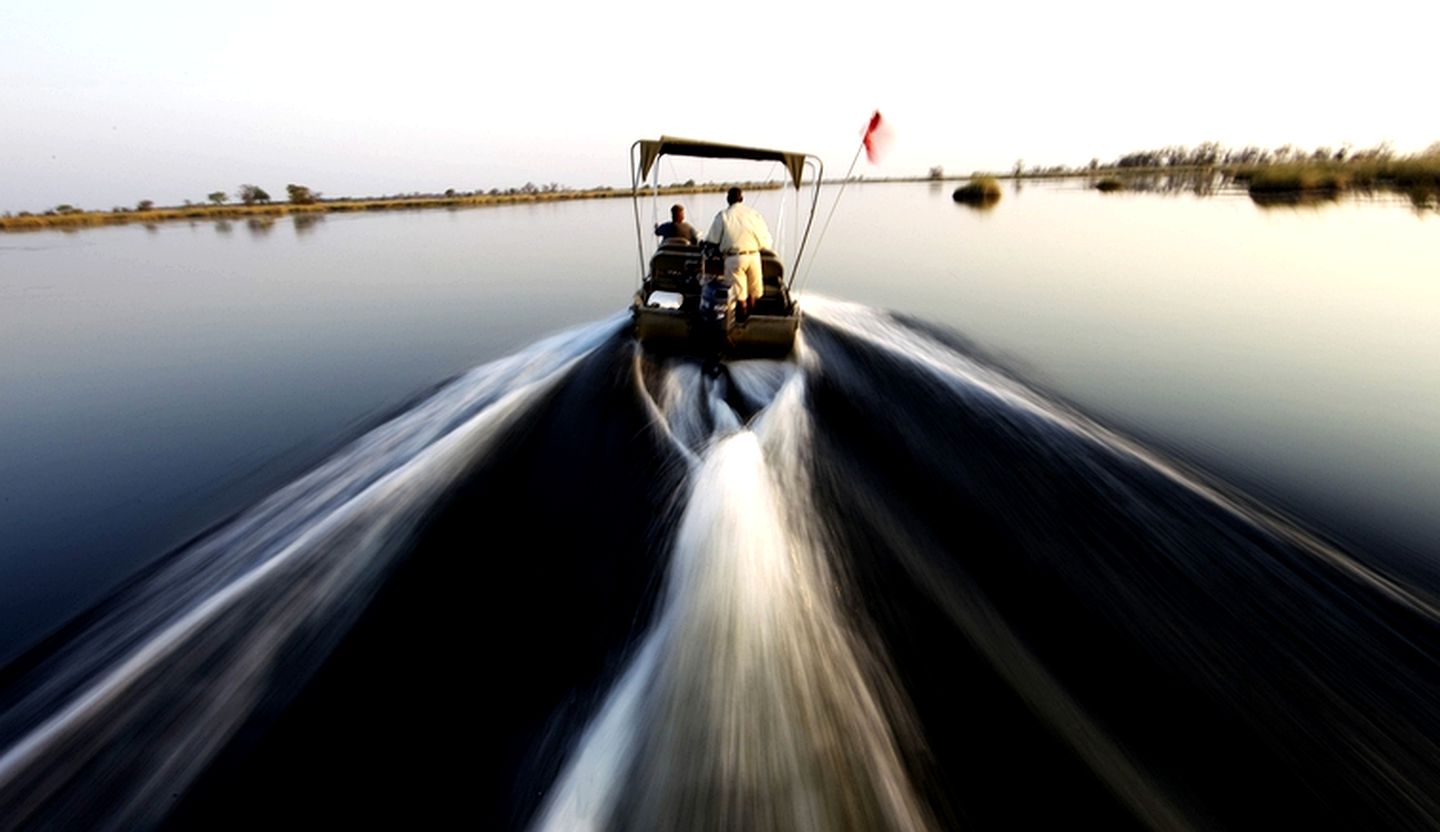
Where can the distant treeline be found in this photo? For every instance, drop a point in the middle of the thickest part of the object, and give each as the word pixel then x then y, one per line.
pixel 1211 154
pixel 1272 171
pixel 1214 154
pixel 254 201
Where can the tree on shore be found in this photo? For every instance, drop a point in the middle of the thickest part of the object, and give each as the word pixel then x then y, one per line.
pixel 217 197
pixel 145 205
pixel 302 195
pixel 251 194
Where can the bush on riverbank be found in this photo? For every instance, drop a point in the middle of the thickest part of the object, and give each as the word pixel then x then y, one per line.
pixel 1109 185
pixel 983 190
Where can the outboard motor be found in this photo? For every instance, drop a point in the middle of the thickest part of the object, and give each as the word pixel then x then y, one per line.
pixel 716 315
pixel 717 308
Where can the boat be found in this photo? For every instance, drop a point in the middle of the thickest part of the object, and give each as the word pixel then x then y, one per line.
pixel 680 307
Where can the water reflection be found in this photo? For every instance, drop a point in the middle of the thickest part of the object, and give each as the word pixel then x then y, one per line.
pixel 1294 199
pixel 305 223
pixel 981 207
pixel 1423 201
pixel 223 227
pixel 260 226
pixel 1216 183
pixel 1199 183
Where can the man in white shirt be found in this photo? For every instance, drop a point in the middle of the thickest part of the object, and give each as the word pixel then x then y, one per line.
pixel 740 234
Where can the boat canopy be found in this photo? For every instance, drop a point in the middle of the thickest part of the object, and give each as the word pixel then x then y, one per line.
pixel 653 149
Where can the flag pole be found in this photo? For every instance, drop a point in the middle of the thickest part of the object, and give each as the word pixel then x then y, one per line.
pixel 820 240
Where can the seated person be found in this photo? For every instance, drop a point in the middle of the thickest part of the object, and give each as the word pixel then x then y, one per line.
pixel 677 228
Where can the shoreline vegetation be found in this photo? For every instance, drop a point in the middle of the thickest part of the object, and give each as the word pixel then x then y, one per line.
pixel 256 205
pixel 1283 175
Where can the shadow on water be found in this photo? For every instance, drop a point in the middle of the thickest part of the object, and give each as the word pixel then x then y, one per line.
pixel 882 586
pixel 457 690
pixel 1138 640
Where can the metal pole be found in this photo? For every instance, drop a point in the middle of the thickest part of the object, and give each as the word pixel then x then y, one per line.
pixel 826 227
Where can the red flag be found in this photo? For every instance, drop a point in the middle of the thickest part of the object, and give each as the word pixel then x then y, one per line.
pixel 877 138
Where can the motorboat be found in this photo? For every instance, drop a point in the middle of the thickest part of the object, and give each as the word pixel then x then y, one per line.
pixel 683 304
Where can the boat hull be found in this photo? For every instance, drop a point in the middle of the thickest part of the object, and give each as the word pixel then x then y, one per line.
pixel 680 331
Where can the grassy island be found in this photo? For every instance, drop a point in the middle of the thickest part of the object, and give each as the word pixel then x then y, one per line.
pixel 982 190
pixel 1408 173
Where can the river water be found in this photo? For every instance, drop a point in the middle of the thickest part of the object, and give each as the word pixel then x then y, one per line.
pixel 1144 402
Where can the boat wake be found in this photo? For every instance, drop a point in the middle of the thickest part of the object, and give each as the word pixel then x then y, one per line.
pixel 885 585
pixel 750 704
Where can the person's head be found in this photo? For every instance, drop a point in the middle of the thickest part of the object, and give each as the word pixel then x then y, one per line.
pixel 733 196
pixel 677 213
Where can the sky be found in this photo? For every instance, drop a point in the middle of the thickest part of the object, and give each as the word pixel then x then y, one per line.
pixel 103 104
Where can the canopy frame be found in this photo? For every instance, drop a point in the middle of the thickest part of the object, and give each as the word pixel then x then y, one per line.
pixel 645 153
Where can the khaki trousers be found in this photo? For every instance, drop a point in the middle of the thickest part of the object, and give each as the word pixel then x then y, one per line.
pixel 744 272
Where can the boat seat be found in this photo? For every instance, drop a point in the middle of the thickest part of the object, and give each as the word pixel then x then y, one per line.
pixel 673 267
pixel 772 288
pixel 770 265
pixel 674 263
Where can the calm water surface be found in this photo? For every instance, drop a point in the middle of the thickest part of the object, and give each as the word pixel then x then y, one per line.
pixel 155 381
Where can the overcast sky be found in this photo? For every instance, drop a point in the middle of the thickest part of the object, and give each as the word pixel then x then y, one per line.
pixel 106 103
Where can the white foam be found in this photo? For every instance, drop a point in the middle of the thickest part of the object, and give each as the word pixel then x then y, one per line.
pixel 749 704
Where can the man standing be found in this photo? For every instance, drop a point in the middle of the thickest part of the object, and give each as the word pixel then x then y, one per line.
pixel 740 234
pixel 677 227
